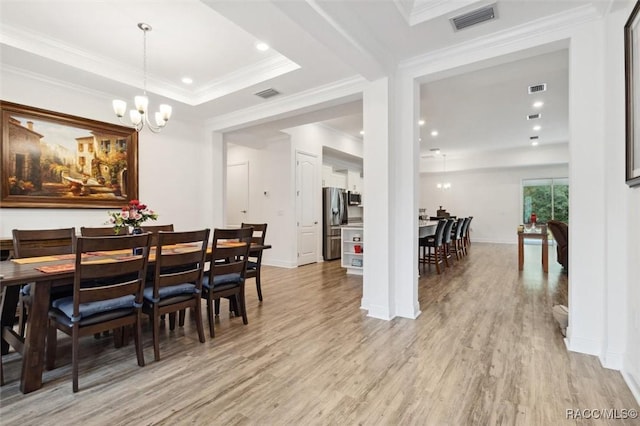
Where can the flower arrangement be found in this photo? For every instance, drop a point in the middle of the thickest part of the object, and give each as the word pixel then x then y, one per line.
pixel 133 214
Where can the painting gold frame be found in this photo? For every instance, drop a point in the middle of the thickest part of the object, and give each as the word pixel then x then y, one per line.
pixel 55 160
pixel 632 95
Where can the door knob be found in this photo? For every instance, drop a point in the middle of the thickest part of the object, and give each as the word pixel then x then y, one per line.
pixel 243 211
pixel 315 223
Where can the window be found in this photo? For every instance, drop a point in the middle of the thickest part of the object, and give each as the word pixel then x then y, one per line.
pixel 547 198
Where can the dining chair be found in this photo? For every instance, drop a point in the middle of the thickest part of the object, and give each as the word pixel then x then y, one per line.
pixel 456 239
pixel 113 304
pixel 434 247
pixel 35 243
pixel 177 283
pixel 254 263
pixel 102 231
pixel 467 233
pixel 446 241
pixel 463 235
pixel 227 271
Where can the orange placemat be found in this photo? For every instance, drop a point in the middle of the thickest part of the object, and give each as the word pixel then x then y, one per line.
pixel 52 258
pixel 63 267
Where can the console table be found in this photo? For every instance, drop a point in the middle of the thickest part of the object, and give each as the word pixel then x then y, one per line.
pixel 539 232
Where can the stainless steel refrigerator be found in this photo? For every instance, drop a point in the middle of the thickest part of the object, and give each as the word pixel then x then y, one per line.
pixel 334 212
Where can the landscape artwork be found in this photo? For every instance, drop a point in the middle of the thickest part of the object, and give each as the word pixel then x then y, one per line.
pixel 53 160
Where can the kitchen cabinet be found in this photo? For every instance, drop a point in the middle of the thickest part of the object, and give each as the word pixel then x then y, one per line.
pixel 352 249
pixel 354 181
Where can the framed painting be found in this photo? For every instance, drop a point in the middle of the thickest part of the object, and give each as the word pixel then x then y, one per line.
pixel 632 95
pixel 54 160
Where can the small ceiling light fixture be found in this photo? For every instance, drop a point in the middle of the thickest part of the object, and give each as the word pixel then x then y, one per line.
pixel 139 116
pixel 534 143
pixel 537 128
pixel 263 47
pixel 187 80
pixel 538 104
pixel 443 185
pixel 362 132
pixel 434 133
pixel 421 123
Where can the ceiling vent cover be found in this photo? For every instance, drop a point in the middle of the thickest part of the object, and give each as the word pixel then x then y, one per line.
pixel 267 93
pixel 538 88
pixel 474 17
pixel 534 116
pixel 533 138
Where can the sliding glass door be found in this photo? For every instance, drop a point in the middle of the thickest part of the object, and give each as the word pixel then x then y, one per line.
pixel 547 198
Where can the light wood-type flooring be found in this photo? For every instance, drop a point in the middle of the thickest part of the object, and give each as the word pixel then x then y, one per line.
pixel 484 351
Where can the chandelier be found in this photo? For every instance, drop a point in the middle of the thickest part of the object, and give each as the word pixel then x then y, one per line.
pixel 140 115
pixel 444 185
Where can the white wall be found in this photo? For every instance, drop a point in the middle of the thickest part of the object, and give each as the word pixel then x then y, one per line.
pixel 174 166
pixel 622 301
pixel 277 207
pixel 492 196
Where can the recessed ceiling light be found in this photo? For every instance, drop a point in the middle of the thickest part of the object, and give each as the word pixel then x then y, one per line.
pixel 362 132
pixel 263 47
pixel 187 80
pixel 436 151
pixel 434 133
pixel 421 122
pixel 538 104
pixel 534 143
pixel 536 128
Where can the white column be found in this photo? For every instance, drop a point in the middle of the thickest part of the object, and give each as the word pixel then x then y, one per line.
pixel 390 284
pixel 218 180
pixel 405 180
pixel 376 292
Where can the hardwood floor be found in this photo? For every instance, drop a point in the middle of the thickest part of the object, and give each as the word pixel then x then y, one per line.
pixel 485 350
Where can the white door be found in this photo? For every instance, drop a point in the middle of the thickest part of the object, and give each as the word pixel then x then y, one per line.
pixel 237 194
pixel 306 208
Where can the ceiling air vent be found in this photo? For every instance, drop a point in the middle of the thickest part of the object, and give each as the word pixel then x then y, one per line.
pixel 538 88
pixel 533 138
pixel 267 93
pixel 474 17
pixel 534 116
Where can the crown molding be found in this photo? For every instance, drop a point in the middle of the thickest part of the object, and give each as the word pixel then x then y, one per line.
pixel 339 132
pixel 308 100
pixel 257 73
pixel 271 67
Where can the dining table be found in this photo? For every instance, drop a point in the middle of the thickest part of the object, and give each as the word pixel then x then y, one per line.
pixel 45 272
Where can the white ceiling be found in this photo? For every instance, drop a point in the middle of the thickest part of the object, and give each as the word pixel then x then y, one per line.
pixel 97 45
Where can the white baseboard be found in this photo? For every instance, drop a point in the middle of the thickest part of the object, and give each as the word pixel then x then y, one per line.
pixel 633 385
pixel 612 360
pixel 280 263
pixel 379 312
pixel 583 346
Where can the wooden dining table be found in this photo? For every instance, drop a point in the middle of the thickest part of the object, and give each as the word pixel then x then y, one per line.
pixel 46 272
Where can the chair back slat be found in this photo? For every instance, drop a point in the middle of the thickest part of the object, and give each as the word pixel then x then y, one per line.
pixel 43 242
pixel 446 235
pixel 103 231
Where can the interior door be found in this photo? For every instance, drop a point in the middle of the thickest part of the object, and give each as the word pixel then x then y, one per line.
pixel 307 195
pixel 237 194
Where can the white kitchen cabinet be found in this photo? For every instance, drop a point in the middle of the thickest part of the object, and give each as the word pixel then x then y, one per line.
pixel 354 181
